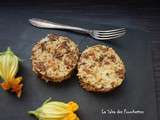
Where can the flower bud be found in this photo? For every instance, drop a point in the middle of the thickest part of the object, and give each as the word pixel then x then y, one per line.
pixel 54 110
pixel 8 70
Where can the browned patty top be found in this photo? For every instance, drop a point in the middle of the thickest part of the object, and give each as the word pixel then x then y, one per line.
pixel 54 56
pixel 100 68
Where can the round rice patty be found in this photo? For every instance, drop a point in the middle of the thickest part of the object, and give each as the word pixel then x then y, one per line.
pixel 54 58
pixel 100 69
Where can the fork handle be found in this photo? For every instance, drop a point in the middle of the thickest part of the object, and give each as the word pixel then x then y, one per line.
pixel 48 24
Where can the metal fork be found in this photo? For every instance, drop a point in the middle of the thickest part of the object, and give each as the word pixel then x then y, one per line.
pixel 97 34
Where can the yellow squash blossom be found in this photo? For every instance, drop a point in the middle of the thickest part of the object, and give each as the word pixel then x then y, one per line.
pixel 8 70
pixel 54 110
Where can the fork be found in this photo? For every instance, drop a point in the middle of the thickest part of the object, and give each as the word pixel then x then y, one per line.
pixel 97 34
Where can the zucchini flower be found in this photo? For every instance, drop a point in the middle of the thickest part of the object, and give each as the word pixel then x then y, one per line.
pixel 8 70
pixel 54 110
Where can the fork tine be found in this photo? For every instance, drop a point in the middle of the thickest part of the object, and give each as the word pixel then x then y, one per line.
pixel 108 31
pixel 107 37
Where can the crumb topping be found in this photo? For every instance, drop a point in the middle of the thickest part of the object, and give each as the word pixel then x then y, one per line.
pixel 100 67
pixel 54 56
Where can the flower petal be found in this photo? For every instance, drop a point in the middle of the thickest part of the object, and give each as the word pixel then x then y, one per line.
pixel 5 85
pixel 17 80
pixel 73 106
pixel 17 89
pixel 71 116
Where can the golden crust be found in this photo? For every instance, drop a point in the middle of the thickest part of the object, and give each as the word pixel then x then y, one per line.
pixel 54 58
pixel 100 69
